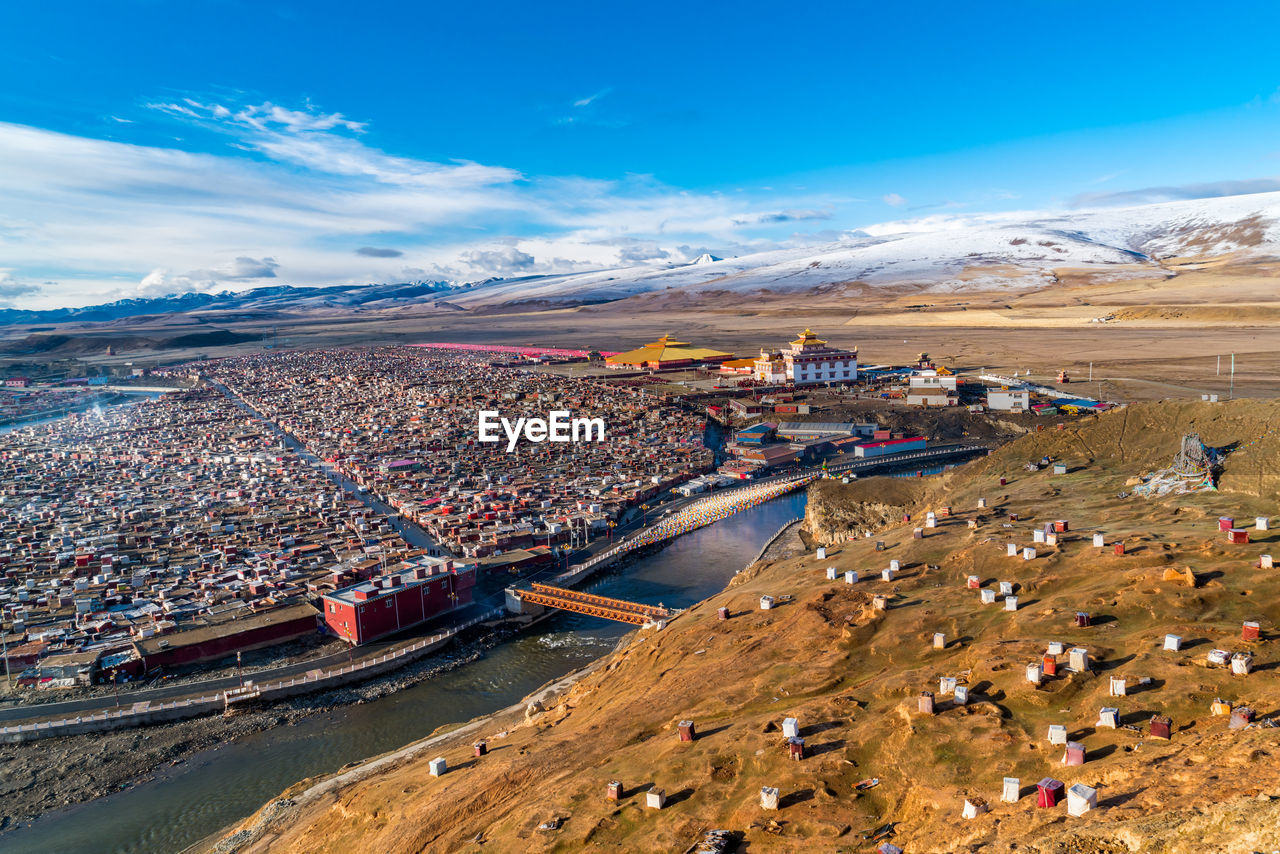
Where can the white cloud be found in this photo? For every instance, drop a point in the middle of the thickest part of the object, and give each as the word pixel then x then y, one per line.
pixel 893 200
pixel 590 99
pixel 298 195
pixel 1150 195
pixel 11 288
pixel 240 269
pixel 774 217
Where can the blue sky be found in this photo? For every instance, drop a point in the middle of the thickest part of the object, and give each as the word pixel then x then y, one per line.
pixel 148 146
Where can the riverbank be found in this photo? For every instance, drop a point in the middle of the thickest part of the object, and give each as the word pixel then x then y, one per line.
pixel 812 687
pixel 40 778
pixel 493 728
pixel 174 806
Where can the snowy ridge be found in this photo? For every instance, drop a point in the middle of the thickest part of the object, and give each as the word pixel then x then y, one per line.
pixel 1014 251
pixel 948 253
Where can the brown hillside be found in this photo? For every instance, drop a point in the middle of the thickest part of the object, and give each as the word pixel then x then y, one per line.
pixel 1140 438
pixel 852 675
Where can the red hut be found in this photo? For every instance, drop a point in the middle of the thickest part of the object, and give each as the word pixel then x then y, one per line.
pixel 1048 792
pixel 1161 726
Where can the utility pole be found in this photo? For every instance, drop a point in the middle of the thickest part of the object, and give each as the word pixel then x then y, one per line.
pixel 4 650
pixel 1219 365
pixel 1232 390
pixel 1091 372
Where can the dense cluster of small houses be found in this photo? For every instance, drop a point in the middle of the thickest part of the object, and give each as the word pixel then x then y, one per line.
pixel 166 533
pixel 402 423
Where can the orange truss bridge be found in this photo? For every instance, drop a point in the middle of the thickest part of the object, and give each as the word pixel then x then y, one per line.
pixel 597 606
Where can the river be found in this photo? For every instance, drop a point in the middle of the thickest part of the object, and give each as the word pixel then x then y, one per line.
pixel 215 788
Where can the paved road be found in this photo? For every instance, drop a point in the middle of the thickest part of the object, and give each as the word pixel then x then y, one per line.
pixel 205 687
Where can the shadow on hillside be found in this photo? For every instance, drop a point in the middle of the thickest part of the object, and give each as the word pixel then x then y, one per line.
pixel 682 795
pixel 1117 800
pixel 826 747
pixel 1099 753
pixel 1139 688
pixel 1111 663
pixel 814 729
pixel 795 798
pixel 1136 717
pixel 978 693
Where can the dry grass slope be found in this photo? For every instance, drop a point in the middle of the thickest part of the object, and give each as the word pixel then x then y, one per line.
pixel 852 674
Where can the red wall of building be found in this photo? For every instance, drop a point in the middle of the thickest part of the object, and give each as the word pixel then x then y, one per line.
pixel 216 648
pixel 375 618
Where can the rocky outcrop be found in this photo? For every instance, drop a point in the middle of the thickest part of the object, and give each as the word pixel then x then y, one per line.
pixel 837 511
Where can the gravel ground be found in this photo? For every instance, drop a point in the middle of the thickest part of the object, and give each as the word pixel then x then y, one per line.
pixel 40 776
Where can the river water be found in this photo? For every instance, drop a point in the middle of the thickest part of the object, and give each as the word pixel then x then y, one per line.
pixel 220 786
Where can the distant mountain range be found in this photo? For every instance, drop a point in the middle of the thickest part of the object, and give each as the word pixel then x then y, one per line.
pixel 273 298
pixel 950 253
pixel 934 254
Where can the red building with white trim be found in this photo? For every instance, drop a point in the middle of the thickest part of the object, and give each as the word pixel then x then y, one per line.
pixel 419 590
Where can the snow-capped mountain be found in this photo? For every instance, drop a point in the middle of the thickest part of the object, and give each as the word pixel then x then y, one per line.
pixel 950 253
pixel 271 298
pixel 1018 250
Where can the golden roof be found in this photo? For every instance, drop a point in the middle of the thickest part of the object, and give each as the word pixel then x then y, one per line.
pixel 665 349
pixel 808 339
